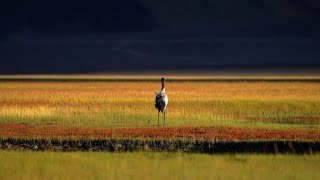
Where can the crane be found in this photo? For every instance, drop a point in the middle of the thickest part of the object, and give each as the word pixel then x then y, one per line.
pixel 161 101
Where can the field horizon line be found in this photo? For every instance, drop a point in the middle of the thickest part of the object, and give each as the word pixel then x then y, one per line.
pixel 155 78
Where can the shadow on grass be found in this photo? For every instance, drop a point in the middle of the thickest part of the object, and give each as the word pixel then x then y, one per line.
pixel 167 145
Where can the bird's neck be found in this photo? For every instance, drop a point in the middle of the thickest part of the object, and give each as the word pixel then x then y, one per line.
pixel 163 90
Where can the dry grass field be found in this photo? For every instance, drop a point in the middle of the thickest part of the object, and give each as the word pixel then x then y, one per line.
pixel 262 106
pixel 131 104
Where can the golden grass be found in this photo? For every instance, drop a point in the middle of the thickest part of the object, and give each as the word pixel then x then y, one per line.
pixel 176 90
pixel 131 104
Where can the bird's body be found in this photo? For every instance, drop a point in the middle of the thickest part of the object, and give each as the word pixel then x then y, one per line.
pixel 161 101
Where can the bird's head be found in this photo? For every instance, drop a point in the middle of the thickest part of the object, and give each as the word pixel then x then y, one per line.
pixel 162 80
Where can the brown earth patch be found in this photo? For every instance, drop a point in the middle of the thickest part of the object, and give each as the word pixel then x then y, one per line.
pixel 212 133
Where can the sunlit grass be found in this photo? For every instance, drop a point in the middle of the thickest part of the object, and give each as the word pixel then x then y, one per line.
pixel 131 104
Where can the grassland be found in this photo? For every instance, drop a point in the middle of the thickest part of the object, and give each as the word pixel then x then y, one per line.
pixel 138 165
pixel 273 114
pixel 272 105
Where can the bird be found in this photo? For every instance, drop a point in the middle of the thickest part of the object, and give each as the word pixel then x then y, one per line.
pixel 161 101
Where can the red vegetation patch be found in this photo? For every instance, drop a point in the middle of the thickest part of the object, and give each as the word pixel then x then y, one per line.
pixel 217 133
pixel 283 119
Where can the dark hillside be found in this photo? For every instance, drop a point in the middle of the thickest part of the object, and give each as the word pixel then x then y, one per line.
pixel 97 36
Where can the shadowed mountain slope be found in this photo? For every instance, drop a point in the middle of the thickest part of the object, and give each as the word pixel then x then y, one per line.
pixel 97 36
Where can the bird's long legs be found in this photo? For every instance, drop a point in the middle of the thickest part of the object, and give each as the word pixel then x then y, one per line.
pixel 158 117
pixel 164 114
